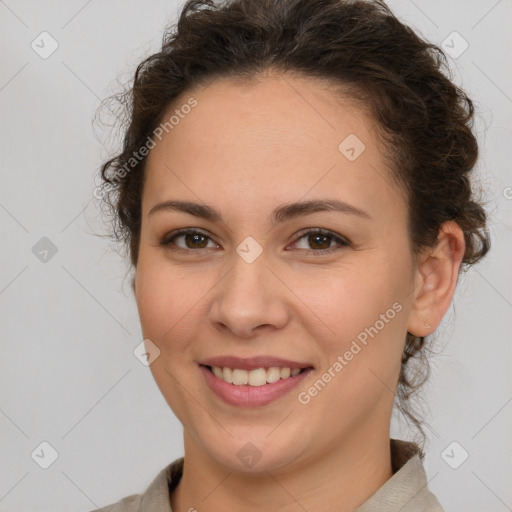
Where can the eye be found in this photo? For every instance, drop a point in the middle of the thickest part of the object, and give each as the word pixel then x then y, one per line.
pixel 192 238
pixel 320 240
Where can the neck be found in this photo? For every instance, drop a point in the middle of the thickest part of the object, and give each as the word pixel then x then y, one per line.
pixel 339 480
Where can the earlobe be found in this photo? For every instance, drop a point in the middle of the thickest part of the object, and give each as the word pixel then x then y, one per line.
pixel 436 279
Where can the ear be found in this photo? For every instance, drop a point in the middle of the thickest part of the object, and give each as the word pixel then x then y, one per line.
pixel 133 284
pixel 436 279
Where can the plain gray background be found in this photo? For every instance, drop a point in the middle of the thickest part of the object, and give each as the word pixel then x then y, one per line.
pixel 69 324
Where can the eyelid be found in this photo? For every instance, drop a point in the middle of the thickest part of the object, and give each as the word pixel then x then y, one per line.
pixel 322 231
pixel 342 241
pixel 166 239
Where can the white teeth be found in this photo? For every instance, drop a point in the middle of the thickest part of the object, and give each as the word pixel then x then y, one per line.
pixel 240 377
pixel 273 374
pixel 285 373
pixel 227 375
pixel 257 377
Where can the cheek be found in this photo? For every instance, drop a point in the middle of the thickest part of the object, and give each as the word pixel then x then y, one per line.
pixel 161 299
pixel 350 300
pixel 366 313
pixel 171 301
pixel 168 300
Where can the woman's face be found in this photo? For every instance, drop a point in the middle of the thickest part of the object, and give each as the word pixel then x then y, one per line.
pixel 254 284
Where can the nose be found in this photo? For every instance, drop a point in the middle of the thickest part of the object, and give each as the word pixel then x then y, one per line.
pixel 249 300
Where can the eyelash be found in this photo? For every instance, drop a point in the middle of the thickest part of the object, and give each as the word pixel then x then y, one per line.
pixel 343 242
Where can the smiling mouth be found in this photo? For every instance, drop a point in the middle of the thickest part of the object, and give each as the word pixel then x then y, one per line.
pixel 256 377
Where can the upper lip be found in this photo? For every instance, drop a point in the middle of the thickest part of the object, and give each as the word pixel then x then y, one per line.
pixel 251 363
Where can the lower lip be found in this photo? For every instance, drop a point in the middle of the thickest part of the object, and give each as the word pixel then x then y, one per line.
pixel 251 396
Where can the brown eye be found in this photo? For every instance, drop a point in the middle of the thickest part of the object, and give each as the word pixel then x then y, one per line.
pixel 192 239
pixel 320 240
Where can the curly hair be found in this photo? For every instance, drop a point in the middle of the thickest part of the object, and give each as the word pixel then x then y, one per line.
pixel 358 47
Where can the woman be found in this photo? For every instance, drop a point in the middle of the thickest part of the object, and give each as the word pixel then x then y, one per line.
pixel 294 193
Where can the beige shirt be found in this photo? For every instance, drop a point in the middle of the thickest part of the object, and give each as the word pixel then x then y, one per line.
pixel 405 491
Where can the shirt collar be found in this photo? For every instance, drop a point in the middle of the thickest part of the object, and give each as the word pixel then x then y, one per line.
pixel 406 491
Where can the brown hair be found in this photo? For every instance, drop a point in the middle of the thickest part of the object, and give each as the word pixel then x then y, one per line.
pixel 359 45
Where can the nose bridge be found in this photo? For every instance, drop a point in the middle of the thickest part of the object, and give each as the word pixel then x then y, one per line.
pixel 247 284
pixel 250 295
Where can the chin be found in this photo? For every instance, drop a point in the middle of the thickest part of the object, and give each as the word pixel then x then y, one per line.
pixel 253 453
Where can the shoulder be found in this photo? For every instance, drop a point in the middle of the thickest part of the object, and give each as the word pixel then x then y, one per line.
pixel 156 498
pixel 407 490
pixel 131 503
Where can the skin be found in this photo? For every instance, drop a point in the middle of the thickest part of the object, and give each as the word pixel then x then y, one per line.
pixel 245 150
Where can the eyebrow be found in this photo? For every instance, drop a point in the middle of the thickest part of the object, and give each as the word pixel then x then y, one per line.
pixel 280 214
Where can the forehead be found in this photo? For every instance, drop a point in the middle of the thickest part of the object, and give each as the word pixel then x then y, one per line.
pixel 268 141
